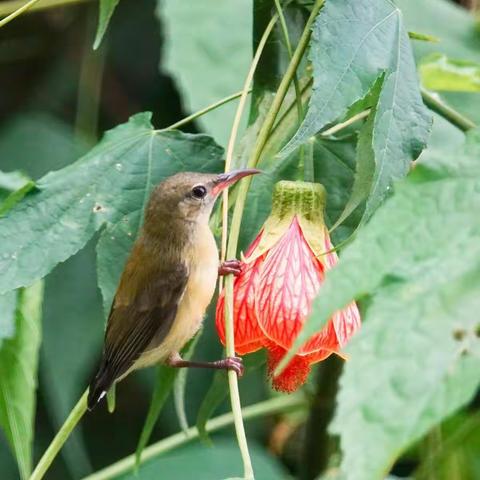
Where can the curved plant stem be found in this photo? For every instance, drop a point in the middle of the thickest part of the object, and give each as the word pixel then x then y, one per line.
pixel 13 5
pixel 340 126
pixel 205 110
pixel 267 126
pixel 306 164
pixel 288 44
pixel 229 335
pixel 18 12
pixel 60 438
pixel 433 102
pixel 274 405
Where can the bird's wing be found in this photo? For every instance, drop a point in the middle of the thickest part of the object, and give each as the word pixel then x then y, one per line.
pixel 132 324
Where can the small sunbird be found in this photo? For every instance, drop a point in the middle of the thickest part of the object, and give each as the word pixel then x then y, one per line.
pixel 168 281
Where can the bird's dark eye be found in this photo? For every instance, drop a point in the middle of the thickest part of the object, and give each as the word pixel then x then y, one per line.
pixel 199 191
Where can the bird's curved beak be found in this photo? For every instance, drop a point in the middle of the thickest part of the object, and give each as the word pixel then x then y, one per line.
pixel 226 179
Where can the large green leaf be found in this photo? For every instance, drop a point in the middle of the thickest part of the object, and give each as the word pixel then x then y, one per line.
pixel 353 44
pixel 419 259
pixel 106 186
pixel 211 60
pixel 436 322
pixel 18 377
pixel 37 143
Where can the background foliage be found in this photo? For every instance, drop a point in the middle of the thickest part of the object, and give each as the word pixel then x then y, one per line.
pixel 72 198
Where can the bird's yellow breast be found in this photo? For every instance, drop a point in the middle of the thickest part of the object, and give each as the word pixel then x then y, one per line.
pixel 203 263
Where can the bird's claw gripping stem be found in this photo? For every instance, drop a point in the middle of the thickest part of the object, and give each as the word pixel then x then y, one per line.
pixel 229 363
pixel 233 267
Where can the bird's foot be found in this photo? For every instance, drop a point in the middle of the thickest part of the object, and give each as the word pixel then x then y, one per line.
pixel 229 363
pixel 233 267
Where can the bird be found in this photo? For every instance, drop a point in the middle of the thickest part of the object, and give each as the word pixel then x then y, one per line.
pixel 167 283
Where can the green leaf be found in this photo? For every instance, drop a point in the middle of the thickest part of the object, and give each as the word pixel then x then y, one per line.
pixel 18 377
pixel 438 72
pixel 35 144
pixel 8 304
pixel 456 29
pixel 436 320
pixel 106 186
pixel 218 391
pixel 440 191
pixel 418 258
pixel 207 463
pixel 180 383
pixel 214 397
pixel 365 169
pixel 368 38
pixel 106 9
pixel 210 61
pixel 163 386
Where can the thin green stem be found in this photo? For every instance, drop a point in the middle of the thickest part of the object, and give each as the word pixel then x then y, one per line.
pixel 60 438
pixel 266 128
pixel 268 407
pixel 18 12
pixel 203 111
pixel 229 330
pixel 308 166
pixel 302 161
pixel 90 83
pixel 435 103
pixel 340 126
pixel 9 7
pixel 286 37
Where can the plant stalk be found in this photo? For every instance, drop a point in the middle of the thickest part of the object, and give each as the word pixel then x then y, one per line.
pixel 436 104
pixel 229 329
pixel 203 111
pixel 17 12
pixel 6 8
pixel 268 407
pixel 60 438
pixel 288 44
pixel 266 128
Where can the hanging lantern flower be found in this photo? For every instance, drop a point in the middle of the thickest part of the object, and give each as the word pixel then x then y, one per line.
pixel 283 270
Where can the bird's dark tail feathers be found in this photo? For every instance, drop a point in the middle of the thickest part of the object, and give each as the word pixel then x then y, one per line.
pixel 99 385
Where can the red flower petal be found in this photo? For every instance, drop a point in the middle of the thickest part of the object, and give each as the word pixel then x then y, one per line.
pixel 289 280
pixel 293 376
pixel 248 336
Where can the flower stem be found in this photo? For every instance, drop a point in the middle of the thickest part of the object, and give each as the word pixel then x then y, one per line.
pixel 267 126
pixel 286 37
pixel 17 12
pixel 12 6
pixel 205 110
pixel 308 165
pixel 340 126
pixel 271 406
pixel 435 103
pixel 60 438
pixel 229 333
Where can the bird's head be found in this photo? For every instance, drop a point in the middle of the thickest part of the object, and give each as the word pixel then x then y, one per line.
pixel 190 196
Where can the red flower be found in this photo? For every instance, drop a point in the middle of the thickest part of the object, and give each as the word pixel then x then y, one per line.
pixel 284 269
